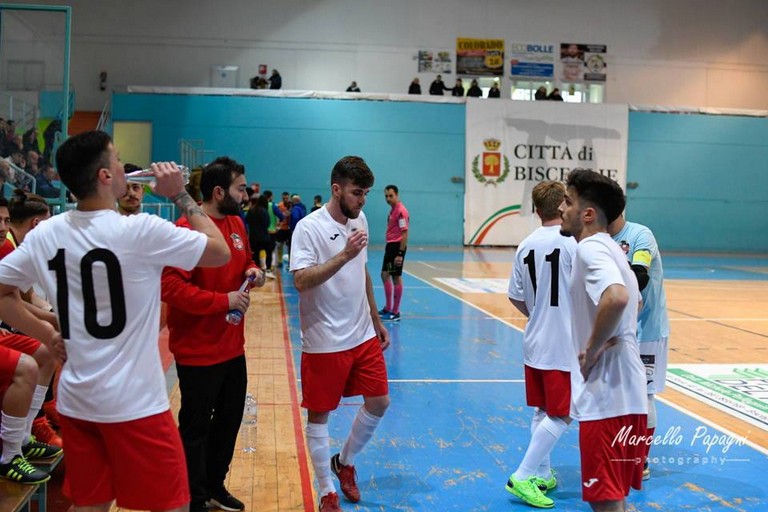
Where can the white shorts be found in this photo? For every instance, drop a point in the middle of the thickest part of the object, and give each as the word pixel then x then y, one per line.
pixel 654 355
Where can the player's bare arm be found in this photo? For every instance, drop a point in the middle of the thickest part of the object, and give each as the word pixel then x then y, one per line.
pixel 310 277
pixel 170 183
pixel 378 326
pixel 521 307
pixel 612 302
pixel 13 309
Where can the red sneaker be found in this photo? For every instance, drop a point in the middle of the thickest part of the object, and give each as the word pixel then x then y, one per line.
pixel 347 479
pixel 49 408
pixel 330 503
pixel 43 432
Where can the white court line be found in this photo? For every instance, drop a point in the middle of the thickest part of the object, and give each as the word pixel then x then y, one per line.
pixel 500 319
pixel 667 402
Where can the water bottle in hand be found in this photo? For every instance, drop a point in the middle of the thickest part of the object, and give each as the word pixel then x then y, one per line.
pixel 235 316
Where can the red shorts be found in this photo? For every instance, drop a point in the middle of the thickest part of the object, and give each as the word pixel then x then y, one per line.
pixel 549 390
pixel 609 466
pixel 21 343
pixel 325 378
pixel 9 360
pixel 139 463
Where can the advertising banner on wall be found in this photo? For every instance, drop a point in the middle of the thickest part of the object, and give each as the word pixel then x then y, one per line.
pixel 582 62
pixel 479 57
pixel 513 145
pixel 532 60
pixel 435 61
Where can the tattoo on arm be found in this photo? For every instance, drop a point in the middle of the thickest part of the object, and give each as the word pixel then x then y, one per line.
pixel 187 205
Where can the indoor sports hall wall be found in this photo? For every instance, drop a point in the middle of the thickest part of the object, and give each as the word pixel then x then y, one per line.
pixel 292 144
pixel 702 179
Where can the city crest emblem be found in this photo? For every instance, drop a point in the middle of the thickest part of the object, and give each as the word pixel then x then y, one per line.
pixel 491 172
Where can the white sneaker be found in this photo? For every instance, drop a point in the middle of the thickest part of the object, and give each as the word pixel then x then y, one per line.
pixel 269 274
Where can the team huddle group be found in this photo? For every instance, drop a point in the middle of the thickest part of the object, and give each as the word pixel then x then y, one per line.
pixel 595 345
pixel 105 274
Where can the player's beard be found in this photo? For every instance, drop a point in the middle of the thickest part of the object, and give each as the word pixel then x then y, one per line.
pixel 228 206
pixel 346 210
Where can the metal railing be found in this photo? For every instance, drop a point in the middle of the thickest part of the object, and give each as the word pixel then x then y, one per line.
pixel 193 153
pixel 21 179
pixel 105 119
pixel 23 112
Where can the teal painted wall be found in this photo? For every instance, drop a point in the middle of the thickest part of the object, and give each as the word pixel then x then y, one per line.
pixel 703 180
pixel 292 144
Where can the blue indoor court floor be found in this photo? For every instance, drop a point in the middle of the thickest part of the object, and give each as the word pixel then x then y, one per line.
pixel 458 424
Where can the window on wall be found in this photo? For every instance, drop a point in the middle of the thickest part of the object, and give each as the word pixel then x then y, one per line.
pixel 572 93
pixel 526 90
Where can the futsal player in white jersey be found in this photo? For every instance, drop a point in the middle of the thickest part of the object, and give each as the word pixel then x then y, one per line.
pixel 342 336
pixel 643 254
pixel 122 442
pixel 538 288
pixel 608 384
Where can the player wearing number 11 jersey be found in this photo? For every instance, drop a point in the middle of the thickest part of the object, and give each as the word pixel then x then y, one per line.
pixel 539 289
pixel 122 442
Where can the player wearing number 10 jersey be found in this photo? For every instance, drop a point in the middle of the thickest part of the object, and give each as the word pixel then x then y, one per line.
pixel 121 439
pixel 539 289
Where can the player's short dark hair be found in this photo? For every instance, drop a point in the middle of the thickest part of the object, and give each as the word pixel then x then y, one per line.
pixel 24 205
pixel 600 191
pixel 352 169
pixel 392 187
pixel 79 159
pixel 3 202
pixel 219 173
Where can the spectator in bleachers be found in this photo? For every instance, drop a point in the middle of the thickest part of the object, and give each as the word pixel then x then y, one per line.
pixel 541 93
pixel 29 141
pixel 415 87
pixel 275 81
pixel 353 87
pixel 45 178
pixel 494 92
pixel 458 89
pixel 437 86
pixel 5 175
pixel 555 95
pixel 474 90
pixel 49 137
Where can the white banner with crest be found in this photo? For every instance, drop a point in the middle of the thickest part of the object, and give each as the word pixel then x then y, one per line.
pixel 513 145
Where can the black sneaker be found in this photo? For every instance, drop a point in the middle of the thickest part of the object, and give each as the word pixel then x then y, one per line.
pixel 225 501
pixel 22 472
pixel 34 449
pixel 198 506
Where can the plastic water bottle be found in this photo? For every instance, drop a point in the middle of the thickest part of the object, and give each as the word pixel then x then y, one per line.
pixel 235 316
pixel 248 427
